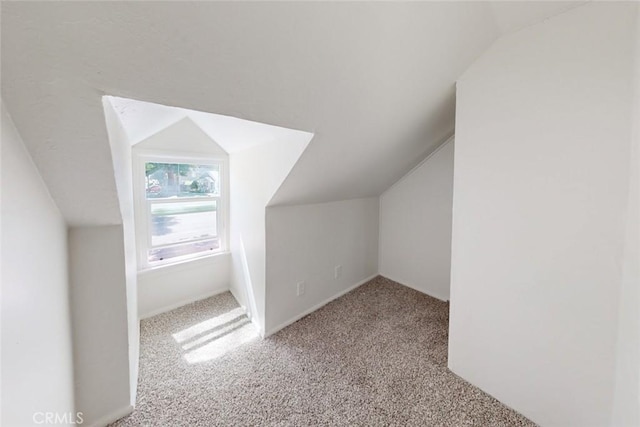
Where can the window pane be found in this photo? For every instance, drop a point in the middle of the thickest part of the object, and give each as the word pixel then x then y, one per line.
pixel 169 252
pixel 164 180
pixel 181 222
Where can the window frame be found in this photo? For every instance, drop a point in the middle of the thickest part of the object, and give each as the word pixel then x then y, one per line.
pixel 142 205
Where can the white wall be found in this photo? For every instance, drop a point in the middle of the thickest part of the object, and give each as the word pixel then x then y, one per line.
pixel 306 243
pixel 256 174
pixel 100 323
pixel 167 287
pixel 37 370
pixel 415 226
pixel 173 286
pixel 122 163
pixel 540 196
pixel 183 136
pixel 626 404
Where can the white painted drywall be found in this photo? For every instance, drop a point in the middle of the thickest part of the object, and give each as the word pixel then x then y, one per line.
pixel 143 119
pixel 415 226
pixel 543 133
pixel 165 288
pixel 338 83
pixel 626 403
pixel 306 243
pixel 255 175
pixel 514 15
pixel 348 65
pixel 122 163
pixel 100 322
pixel 182 137
pixel 37 365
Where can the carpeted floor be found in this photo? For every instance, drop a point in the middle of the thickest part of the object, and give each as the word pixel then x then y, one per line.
pixel 377 356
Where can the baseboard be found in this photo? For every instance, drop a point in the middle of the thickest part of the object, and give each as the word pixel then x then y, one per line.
pixel 415 288
pixel 258 327
pixel 114 416
pixel 317 306
pixel 182 303
pixel 248 313
pixel 233 292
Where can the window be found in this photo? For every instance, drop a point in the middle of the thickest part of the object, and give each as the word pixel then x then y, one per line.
pixel 179 209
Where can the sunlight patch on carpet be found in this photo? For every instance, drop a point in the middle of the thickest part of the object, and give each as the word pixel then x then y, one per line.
pixel 222 342
pixel 208 325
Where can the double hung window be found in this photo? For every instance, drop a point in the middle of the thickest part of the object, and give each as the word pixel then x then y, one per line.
pixel 181 210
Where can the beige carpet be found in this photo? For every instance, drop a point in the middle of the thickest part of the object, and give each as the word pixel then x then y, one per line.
pixel 377 356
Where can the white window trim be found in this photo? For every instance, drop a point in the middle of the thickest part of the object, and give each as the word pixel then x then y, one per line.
pixel 141 204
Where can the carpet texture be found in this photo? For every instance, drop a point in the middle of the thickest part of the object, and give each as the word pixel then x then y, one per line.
pixel 375 357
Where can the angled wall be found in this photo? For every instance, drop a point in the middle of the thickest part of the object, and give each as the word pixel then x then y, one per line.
pixel 121 157
pixel 103 298
pixel 543 141
pixel 180 137
pixel 415 226
pixel 37 356
pixel 256 173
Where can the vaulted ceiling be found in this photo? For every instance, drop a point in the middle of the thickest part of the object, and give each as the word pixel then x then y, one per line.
pixel 144 119
pixel 373 81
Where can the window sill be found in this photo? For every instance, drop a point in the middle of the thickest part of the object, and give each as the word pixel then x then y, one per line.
pixel 182 264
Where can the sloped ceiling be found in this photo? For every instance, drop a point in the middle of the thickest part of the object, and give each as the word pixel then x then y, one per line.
pixel 514 15
pixel 185 133
pixel 373 81
pixel 144 119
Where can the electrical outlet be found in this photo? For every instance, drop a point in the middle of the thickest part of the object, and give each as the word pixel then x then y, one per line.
pixel 300 288
pixel 337 272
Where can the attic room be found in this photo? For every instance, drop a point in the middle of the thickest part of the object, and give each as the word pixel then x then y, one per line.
pixel 320 213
